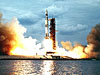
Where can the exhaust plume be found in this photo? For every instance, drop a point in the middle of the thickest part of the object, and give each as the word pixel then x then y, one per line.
pixel 92 50
pixel 9 35
pixel 12 38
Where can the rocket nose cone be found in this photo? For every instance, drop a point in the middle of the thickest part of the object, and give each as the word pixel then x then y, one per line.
pixel 46 11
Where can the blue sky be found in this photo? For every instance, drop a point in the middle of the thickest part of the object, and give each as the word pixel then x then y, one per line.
pixel 74 18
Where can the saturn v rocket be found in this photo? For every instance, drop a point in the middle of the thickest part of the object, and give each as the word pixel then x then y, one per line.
pixel 46 25
pixel 52 30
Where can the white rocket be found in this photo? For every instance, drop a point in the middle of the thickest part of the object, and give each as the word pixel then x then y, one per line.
pixel 46 25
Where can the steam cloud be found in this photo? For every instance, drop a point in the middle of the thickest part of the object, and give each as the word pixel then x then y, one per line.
pixel 92 50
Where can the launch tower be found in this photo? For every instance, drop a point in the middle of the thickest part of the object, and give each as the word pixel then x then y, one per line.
pixel 52 32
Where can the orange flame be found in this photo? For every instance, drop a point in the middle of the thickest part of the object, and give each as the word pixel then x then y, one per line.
pixel 26 49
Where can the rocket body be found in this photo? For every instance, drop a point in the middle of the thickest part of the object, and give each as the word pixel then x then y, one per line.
pixel 46 25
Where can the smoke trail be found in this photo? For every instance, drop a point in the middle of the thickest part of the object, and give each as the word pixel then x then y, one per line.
pixel 92 50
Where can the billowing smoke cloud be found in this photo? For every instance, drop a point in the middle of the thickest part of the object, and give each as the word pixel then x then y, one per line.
pixel 94 39
pixel 12 36
pixel 92 50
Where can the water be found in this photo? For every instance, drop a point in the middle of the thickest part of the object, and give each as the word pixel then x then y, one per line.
pixel 49 67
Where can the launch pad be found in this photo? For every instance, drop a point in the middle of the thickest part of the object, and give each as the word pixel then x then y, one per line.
pixel 35 57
